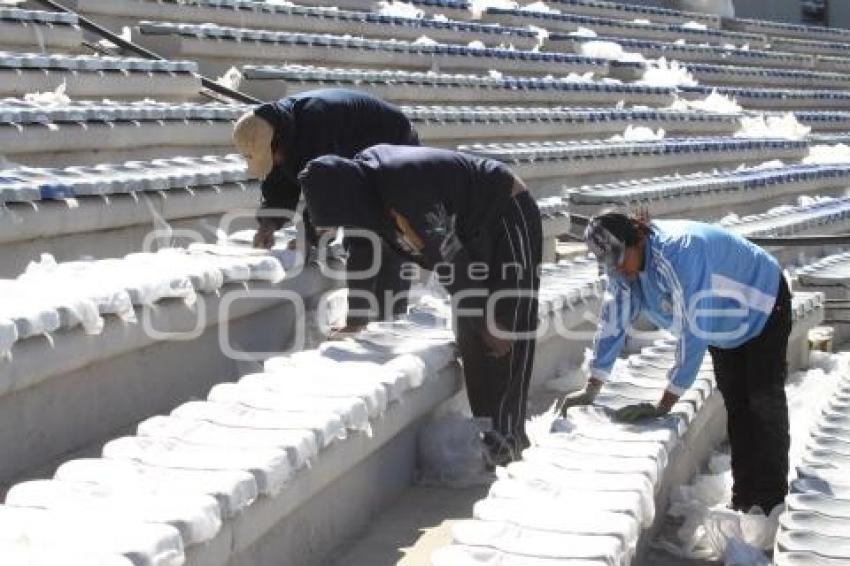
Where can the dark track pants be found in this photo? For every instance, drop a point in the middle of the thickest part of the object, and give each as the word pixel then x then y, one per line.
pixel 751 379
pixel 498 387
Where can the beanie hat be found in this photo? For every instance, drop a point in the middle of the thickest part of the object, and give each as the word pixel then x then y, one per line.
pixel 253 137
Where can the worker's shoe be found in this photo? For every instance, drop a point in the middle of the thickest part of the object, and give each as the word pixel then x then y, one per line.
pixel 499 450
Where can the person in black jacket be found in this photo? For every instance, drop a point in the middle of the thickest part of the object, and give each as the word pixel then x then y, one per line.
pixel 473 223
pixel 277 140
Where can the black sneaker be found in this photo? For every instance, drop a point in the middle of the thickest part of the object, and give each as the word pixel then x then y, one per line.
pixel 498 449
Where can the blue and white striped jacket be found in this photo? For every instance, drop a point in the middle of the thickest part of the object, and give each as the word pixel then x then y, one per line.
pixel 706 285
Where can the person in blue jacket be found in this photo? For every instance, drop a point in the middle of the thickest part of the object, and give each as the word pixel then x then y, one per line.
pixel 715 291
pixel 277 139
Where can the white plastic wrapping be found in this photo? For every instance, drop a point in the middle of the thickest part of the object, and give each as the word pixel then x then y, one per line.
pixel 32 313
pixel 270 467
pixel 522 541
pixel 234 490
pixel 551 480
pixel 81 532
pixel 304 381
pixel 260 264
pixel 300 445
pixel 553 518
pixel 84 278
pixel 259 395
pixel 197 517
pixel 23 552
pixel 325 425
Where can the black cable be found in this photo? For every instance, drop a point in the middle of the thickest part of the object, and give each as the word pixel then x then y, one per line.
pixel 90 26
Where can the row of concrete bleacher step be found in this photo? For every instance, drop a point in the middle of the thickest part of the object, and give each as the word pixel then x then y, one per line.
pixel 241 456
pixel 416 87
pixel 797 38
pixel 813 529
pixel 619 476
pixel 741 190
pixel 49 30
pixel 435 123
pixel 292 18
pixel 113 287
pixel 219 47
pixel 564 22
pixel 687 53
pixel 731 74
pixel 233 45
pixel 564 164
pixel 88 76
pixel 139 9
pixel 319 20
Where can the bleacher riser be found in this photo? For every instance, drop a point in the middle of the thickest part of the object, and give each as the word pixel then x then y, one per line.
pixel 270 89
pixel 215 57
pixel 713 206
pixel 83 390
pixel 46 37
pixel 568 24
pixel 91 143
pixel 446 134
pixel 556 176
pixel 118 85
pixel 85 226
pixel 689 53
pixel 121 13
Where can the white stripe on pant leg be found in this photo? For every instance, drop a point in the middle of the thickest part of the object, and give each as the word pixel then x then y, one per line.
pixel 521 249
pixel 528 362
pixel 516 314
pixel 525 374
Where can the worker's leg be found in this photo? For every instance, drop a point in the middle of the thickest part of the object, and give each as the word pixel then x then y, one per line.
pixel 482 387
pixel 514 283
pixel 729 370
pixel 767 371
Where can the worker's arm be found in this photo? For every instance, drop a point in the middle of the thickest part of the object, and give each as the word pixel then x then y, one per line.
pixel 619 310
pixel 280 195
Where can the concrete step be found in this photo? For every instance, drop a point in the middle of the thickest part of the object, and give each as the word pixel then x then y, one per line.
pixel 219 48
pixel 86 76
pixel 409 87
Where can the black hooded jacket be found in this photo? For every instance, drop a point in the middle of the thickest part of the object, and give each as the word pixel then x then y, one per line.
pixel 324 122
pixel 434 206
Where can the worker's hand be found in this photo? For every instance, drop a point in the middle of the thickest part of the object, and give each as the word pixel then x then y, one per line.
pixel 641 411
pixel 292 244
pixel 264 238
pixel 345 331
pixel 497 347
pixel 579 398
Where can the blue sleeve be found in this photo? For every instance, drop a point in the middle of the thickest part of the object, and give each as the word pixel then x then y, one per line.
pixel 619 310
pixel 689 280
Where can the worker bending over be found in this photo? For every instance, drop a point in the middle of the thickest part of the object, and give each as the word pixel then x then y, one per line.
pixel 714 290
pixel 471 222
pixel 277 140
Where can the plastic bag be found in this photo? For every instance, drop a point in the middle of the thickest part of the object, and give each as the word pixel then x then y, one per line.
pixel 451 452
pixel 740 538
pixel 739 553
